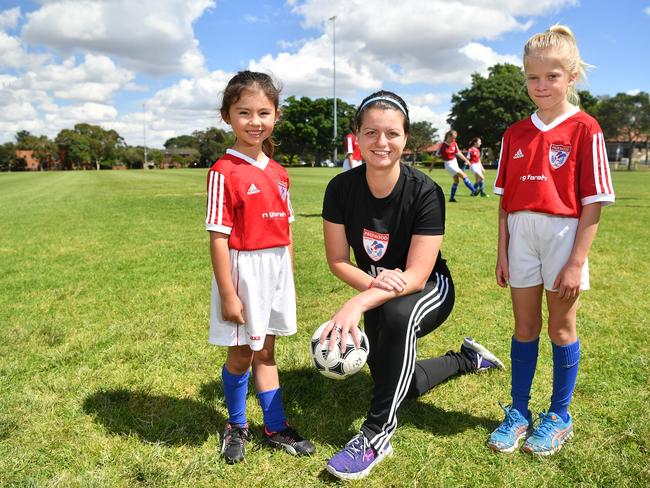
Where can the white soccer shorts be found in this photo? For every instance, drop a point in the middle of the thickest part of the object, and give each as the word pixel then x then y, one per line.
pixel 539 247
pixel 477 169
pixel 346 164
pixel 452 167
pixel 264 283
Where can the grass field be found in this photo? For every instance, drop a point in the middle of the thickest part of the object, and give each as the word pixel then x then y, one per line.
pixel 106 377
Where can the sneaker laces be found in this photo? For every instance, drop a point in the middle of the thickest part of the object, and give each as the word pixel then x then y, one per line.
pixel 546 425
pixel 509 421
pixel 291 435
pixel 236 435
pixel 358 445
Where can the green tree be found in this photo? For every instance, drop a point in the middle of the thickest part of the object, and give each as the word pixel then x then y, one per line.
pixel 306 127
pixel 588 102
pixel 7 156
pixel 131 156
pixel 490 105
pixel 422 134
pixel 102 143
pixel 44 150
pixel 75 148
pixel 211 144
pixel 625 117
pixel 88 143
pixel 182 142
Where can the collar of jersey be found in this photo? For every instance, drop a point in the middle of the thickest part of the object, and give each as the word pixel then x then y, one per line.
pixel 259 164
pixel 545 128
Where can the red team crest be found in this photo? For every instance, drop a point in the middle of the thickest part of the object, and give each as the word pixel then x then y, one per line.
pixel 375 244
pixel 558 154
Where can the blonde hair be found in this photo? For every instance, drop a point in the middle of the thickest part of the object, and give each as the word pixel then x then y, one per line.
pixel 560 39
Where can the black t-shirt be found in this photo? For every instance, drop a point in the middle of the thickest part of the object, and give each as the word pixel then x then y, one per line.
pixel 379 230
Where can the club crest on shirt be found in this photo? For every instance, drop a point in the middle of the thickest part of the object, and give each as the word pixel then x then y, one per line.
pixel 375 244
pixel 282 186
pixel 558 154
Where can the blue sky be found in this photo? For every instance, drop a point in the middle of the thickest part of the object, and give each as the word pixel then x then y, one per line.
pixel 161 64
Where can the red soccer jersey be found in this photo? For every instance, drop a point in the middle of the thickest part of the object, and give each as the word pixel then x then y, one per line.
pixel 474 155
pixel 351 146
pixel 249 200
pixel 448 151
pixel 555 168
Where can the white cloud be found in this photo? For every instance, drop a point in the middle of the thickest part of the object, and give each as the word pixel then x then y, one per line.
pixel 102 46
pixel 9 18
pixel 634 91
pixel 419 113
pixel 188 105
pixel 152 36
pixel 379 43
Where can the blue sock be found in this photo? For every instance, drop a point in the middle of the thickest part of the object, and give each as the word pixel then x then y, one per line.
pixel 454 187
pixel 235 389
pixel 468 184
pixel 480 186
pixel 272 410
pixel 565 373
pixel 524 362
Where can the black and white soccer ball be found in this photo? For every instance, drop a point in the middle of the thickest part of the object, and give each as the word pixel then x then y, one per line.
pixel 335 364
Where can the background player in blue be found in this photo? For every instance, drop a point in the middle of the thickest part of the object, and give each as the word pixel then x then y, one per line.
pixel 393 218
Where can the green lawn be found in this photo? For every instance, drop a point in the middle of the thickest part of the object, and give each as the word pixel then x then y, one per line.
pixel 106 377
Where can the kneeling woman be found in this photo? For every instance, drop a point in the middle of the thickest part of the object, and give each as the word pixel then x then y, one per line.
pixel 393 218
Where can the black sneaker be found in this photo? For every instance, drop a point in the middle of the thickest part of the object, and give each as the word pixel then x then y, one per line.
pixel 482 359
pixel 234 437
pixel 289 440
pixel 452 200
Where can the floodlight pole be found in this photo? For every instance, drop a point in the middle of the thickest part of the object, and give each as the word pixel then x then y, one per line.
pixel 333 19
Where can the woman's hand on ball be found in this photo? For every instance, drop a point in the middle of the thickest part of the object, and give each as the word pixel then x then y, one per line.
pixel 345 321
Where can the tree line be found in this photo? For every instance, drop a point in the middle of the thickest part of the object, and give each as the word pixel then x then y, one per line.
pixel 304 134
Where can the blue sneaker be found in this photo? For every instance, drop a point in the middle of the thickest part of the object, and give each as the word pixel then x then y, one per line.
pixel 514 427
pixel 356 459
pixel 482 359
pixel 549 435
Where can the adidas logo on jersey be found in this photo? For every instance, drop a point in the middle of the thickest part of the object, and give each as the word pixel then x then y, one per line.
pixel 518 154
pixel 252 190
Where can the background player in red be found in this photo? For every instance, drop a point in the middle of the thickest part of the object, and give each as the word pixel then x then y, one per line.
pixel 475 165
pixel 393 218
pixel 553 179
pixel 353 156
pixel 449 150
pixel 253 295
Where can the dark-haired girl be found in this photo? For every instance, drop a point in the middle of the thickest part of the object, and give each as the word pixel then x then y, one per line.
pixel 253 295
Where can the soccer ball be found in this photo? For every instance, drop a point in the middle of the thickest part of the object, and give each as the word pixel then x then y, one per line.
pixel 335 364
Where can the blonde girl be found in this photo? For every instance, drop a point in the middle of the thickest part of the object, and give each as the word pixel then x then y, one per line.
pixel 553 179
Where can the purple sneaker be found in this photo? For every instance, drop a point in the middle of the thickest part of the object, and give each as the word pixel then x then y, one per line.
pixel 482 359
pixel 356 459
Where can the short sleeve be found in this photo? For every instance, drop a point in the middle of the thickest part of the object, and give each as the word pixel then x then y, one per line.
pixel 430 212
pixel 595 181
pixel 219 207
pixel 292 215
pixel 333 203
pixel 500 182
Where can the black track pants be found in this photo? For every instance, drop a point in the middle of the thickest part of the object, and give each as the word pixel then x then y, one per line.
pixel 392 330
